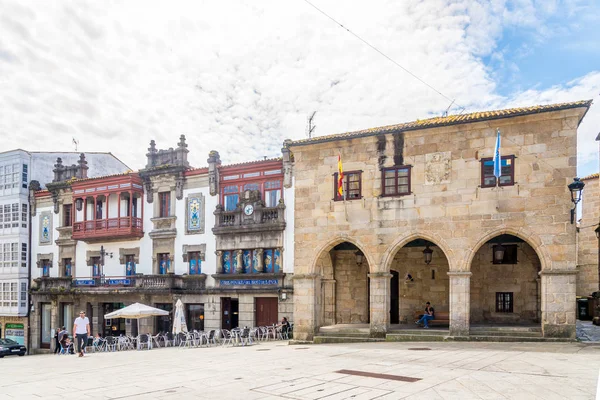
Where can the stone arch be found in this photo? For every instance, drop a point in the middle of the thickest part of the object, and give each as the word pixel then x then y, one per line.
pixel 330 244
pixel 390 253
pixel 523 233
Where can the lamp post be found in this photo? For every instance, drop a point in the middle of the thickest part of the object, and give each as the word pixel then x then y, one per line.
pixel 575 187
pixel 103 254
pixel 499 254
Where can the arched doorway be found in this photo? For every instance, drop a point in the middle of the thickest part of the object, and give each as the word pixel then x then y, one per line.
pixel 344 290
pixel 505 284
pixel 419 274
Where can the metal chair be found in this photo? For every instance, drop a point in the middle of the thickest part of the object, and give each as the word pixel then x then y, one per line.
pixel 144 340
pixel 110 343
pixel 226 337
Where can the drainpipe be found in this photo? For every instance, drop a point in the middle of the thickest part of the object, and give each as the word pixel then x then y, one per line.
pixel 30 198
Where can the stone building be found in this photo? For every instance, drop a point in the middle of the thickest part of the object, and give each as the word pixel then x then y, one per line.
pixel 159 235
pixel 20 171
pixel 424 219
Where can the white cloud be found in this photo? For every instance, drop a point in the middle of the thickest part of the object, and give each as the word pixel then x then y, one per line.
pixel 240 77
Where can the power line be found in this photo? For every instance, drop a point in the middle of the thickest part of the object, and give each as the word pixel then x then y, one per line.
pixel 385 55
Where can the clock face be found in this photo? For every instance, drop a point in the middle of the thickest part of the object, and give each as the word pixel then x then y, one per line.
pixel 249 209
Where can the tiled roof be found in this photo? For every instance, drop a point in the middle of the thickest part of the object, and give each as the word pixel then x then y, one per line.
pixel 252 162
pixel 592 176
pixel 447 121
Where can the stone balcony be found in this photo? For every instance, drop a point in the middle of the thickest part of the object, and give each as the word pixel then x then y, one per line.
pixel 137 283
pixel 262 219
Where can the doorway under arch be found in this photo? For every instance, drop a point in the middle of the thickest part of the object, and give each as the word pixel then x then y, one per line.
pixel 505 285
pixel 417 279
pixel 344 294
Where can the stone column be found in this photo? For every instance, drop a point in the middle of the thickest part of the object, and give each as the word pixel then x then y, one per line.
pixel 259 260
pixel 538 311
pixel 96 321
pixel 240 267
pixel 460 302
pixel 558 303
pixel 306 305
pixel 379 303
pixel 219 254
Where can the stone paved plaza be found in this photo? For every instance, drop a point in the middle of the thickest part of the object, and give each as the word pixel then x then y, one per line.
pixel 275 370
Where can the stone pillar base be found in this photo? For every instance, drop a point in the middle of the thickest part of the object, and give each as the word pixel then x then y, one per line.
pixel 379 303
pixel 460 302
pixel 307 296
pixel 558 303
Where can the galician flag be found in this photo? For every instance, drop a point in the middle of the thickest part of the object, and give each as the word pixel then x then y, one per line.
pixel 497 158
pixel 340 182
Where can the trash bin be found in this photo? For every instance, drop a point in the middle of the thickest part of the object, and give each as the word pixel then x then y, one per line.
pixel 582 309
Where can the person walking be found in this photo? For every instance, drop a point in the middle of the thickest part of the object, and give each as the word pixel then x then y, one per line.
pixel 56 341
pixel 81 329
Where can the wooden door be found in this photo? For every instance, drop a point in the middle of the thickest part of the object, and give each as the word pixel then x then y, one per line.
pixel 266 311
pixel 226 313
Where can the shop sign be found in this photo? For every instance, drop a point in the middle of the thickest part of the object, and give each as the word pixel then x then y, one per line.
pixel 249 282
pixel 119 282
pixel 15 332
pixel 85 282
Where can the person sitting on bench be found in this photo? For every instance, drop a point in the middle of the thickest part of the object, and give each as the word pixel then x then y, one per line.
pixel 428 316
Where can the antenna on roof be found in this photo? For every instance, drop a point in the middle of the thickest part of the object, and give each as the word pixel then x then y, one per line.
pixel 310 128
pixel 76 143
pixel 445 114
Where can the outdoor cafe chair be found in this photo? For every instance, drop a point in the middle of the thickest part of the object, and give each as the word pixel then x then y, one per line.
pixel 98 344
pixel 144 340
pixel 89 343
pixel 255 334
pixel 124 343
pixel 156 339
pixel 180 338
pixel 110 343
pixel 65 349
pixel 244 336
pixel 169 339
pixel 227 337
pixel 210 338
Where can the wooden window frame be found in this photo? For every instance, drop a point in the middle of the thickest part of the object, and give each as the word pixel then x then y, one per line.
pixel 336 196
pixel 164 204
pixel 396 193
pixel 502 304
pixel 512 172
pixel 68 221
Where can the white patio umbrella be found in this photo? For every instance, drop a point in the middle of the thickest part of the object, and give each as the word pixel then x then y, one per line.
pixel 179 324
pixel 136 311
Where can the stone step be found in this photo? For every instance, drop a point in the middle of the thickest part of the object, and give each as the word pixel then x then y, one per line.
pixel 421 332
pixel 407 337
pixel 503 333
pixel 344 339
pixel 344 334
pixel 505 329
pixel 482 338
pixel 404 337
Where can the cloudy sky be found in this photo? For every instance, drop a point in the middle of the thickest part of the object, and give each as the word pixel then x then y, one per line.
pixel 240 77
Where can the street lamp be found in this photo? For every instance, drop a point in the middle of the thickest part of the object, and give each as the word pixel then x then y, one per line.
pixel 359 257
pixel 499 253
pixel 575 187
pixel 103 254
pixel 427 254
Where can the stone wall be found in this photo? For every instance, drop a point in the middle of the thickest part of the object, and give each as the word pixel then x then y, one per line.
pixel 446 206
pixel 423 288
pixel 521 279
pixel 351 288
pixel 587 262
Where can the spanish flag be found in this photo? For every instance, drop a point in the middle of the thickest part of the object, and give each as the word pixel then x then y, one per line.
pixel 340 182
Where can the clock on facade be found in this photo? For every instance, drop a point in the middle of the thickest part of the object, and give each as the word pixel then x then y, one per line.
pixel 249 209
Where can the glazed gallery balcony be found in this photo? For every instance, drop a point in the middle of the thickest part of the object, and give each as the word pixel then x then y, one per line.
pixel 134 283
pixel 118 228
pixel 260 219
pixel 107 208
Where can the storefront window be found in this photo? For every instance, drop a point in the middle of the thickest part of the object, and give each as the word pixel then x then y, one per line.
pixel 67 315
pixel 46 329
pixel 195 317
